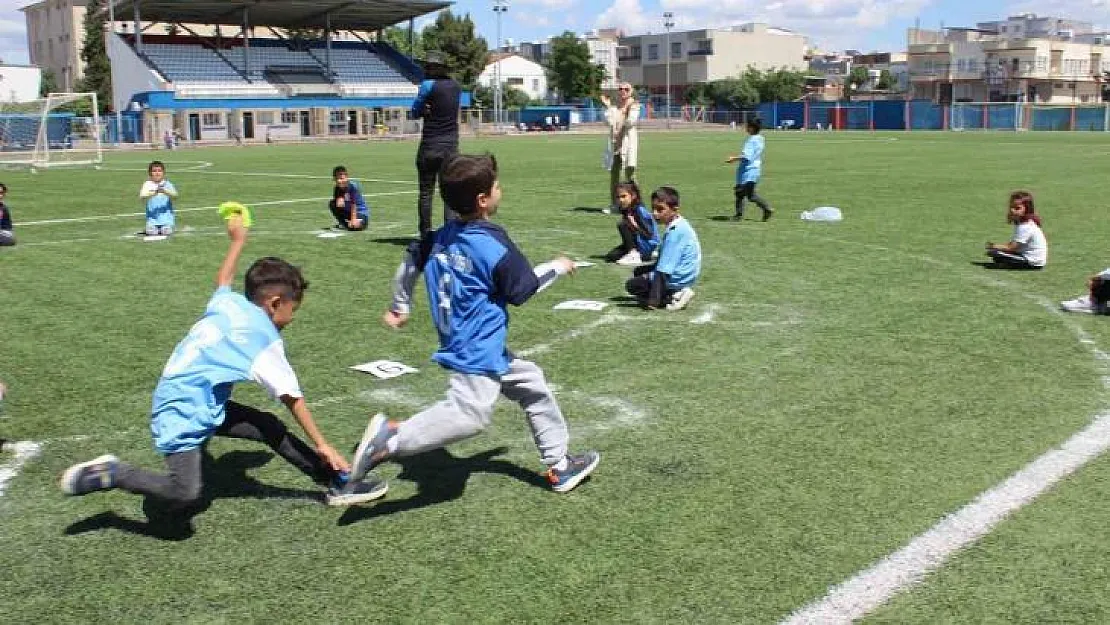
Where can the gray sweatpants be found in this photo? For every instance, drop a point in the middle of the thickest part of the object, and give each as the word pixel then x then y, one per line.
pixel 467 409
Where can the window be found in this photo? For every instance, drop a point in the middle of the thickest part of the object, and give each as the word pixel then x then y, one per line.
pixel 636 52
pixel 212 119
pixel 653 52
pixel 536 84
pixel 515 82
pixel 289 117
pixel 337 117
pixel 265 117
pixel 676 50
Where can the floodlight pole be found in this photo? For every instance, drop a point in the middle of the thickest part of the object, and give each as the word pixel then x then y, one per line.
pixel 112 32
pixel 499 7
pixel 668 23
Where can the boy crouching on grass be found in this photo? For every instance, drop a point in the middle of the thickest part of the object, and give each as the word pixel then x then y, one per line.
pixel 236 340
pixel 669 282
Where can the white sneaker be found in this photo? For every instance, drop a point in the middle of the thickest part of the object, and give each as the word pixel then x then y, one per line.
pixel 631 259
pixel 1079 305
pixel 681 299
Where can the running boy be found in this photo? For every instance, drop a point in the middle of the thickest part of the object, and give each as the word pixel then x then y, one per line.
pixel 7 236
pixel 669 282
pixel 159 195
pixel 347 204
pixel 472 270
pixel 238 339
pixel 749 171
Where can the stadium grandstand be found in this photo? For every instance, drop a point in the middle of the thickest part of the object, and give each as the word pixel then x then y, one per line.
pixel 256 81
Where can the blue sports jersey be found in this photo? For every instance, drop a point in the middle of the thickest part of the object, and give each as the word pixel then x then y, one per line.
pixel 353 195
pixel 680 255
pixel 233 342
pixel 159 206
pixel 647 236
pixel 472 271
pixel 751 160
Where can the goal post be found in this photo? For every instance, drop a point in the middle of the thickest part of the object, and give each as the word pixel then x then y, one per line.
pixel 58 130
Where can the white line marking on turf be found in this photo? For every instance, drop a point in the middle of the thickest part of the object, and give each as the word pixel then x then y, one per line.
pixel 870 589
pixel 873 587
pixel 707 316
pixel 24 452
pixel 604 320
pixel 208 172
pixel 45 222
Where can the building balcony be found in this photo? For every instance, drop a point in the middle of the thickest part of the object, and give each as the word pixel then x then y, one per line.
pixel 705 52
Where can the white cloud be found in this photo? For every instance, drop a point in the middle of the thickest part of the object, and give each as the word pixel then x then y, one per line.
pixel 13 36
pixel 836 23
pixel 559 5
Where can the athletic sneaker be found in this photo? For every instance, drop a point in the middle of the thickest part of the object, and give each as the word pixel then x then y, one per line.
pixel 768 213
pixel 356 492
pixel 371 449
pixel 578 468
pixel 681 299
pixel 1079 305
pixel 96 474
pixel 631 259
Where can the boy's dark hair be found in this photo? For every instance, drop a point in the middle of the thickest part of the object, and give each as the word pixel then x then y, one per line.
pixel 754 125
pixel 3 187
pixel 666 195
pixel 339 169
pixel 269 275
pixel 464 177
pixel 153 164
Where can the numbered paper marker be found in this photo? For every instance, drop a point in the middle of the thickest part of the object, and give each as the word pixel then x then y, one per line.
pixel 385 369
pixel 580 304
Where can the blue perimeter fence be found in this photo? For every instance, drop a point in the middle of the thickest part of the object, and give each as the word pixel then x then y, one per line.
pixel 927 115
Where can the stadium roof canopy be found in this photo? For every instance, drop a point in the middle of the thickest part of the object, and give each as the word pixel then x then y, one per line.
pixel 339 14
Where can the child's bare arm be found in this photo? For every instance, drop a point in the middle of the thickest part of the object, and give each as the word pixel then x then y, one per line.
pixel 238 235
pixel 299 409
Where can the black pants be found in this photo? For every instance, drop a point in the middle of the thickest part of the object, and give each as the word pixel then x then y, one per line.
pixel 628 241
pixel 1100 293
pixel 343 215
pixel 1010 261
pixel 745 192
pixel 429 161
pixel 640 285
pixel 181 485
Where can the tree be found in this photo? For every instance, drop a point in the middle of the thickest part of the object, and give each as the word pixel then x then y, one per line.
pixel 570 70
pixel 886 81
pixel 857 80
pixel 782 85
pixel 48 84
pixel 512 97
pixel 98 72
pixel 464 53
pixel 398 38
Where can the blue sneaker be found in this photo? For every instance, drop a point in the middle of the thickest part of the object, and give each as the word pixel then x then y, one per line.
pixel 348 492
pixel 578 468
pixel 96 474
pixel 371 449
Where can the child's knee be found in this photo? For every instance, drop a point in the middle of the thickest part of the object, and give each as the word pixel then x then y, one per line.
pixel 186 494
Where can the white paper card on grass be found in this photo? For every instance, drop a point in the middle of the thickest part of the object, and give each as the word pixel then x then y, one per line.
pixel 580 304
pixel 583 263
pixel 385 369
pixel 154 237
pixel 329 235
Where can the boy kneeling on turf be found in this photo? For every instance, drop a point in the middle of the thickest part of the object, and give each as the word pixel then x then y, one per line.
pixel 668 283
pixel 347 204
pixel 236 340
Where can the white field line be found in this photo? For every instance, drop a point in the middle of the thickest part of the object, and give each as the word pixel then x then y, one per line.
pixel 376 229
pixel 24 452
pixel 907 567
pixel 208 172
pixel 604 320
pixel 46 222
pixel 707 316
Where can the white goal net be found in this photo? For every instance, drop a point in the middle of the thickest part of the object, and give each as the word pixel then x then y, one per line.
pixel 60 129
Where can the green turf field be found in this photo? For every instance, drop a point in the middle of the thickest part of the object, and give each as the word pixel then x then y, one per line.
pixel 833 391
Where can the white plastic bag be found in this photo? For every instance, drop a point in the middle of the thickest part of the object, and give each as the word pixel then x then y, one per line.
pixel 823 213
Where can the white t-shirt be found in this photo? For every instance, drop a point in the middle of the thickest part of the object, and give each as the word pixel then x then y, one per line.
pixel 1031 243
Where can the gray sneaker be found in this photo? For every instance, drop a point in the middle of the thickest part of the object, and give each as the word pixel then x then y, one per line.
pixel 353 492
pixel 371 449
pixel 578 469
pixel 96 474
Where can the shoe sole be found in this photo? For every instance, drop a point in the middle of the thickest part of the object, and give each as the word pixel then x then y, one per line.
pixel 355 499
pixel 360 467
pixel 682 303
pixel 68 482
pixel 570 484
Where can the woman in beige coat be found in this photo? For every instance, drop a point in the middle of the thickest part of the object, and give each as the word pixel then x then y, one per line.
pixel 624 140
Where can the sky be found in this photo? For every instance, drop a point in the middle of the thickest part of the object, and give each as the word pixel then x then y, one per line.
pixel 866 25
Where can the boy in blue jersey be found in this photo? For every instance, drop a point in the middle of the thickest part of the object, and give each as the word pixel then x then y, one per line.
pixel 472 271
pixel 238 339
pixel 749 171
pixel 347 204
pixel 669 282
pixel 159 195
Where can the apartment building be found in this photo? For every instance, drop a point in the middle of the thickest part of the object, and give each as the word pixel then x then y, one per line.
pixel 705 55
pixel 1053 65
pixel 55 35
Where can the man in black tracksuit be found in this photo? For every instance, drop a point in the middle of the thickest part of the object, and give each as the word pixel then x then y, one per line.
pixel 437 103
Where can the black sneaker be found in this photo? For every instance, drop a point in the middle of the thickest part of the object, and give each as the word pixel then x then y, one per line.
pixel 96 474
pixel 578 468
pixel 768 213
pixel 738 217
pixel 353 493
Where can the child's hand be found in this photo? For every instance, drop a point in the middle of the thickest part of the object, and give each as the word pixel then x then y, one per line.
pixel 395 320
pixel 333 458
pixel 566 264
pixel 355 223
pixel 732 159
pixel 235 230
pixel 604 99
pixel 340 202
